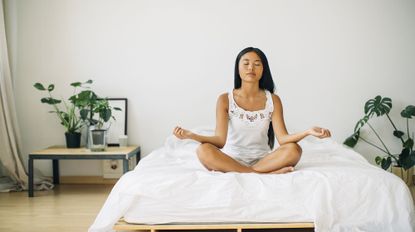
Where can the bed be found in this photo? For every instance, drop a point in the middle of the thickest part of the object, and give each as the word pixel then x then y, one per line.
pixel 333 187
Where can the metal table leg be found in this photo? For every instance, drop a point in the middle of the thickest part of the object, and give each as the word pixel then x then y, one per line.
pixel 55 171
pixel 30 177
pixel 125 165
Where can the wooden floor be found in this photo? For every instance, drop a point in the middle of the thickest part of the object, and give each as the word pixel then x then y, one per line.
pixel 69 208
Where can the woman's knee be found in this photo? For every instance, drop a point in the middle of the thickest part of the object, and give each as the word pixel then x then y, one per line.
pixel 203 151
pixel 294 152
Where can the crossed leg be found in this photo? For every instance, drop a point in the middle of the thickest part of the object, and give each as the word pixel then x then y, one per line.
pixel 282 160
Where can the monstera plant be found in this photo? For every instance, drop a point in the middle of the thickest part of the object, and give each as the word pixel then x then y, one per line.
pixel 67 112
pixel 95 112
pixel 79 110
pixel 381 106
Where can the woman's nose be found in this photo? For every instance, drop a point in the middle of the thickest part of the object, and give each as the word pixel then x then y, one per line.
pixel 250 67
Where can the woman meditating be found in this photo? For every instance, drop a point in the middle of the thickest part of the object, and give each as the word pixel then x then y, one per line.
pixel 246 119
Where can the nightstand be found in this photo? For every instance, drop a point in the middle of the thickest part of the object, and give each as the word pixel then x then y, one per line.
pixel 56 153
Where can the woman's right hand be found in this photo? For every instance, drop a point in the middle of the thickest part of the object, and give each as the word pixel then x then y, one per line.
pixel 182 133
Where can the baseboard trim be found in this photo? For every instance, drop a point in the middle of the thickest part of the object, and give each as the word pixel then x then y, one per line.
pixel 86 180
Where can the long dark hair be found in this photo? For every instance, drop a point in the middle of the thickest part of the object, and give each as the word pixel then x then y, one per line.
pixel 265 82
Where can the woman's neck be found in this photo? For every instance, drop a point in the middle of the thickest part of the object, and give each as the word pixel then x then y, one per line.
pixel 249 90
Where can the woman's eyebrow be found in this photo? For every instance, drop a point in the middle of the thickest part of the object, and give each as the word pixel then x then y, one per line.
pixel 248 60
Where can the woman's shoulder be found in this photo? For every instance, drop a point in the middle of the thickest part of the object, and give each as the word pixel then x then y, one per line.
pixel 223 99
pixel 276 100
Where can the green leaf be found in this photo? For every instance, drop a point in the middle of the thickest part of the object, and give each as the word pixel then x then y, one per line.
pixel 409 143
pixel 50 101
pixel 51 87
pixel 88 81
pixel 408 112
pixel 378 160
pixel 386 162
pixel 76 84
pixel 361 123
pixel 39 86
pixel 378 106
pixel 84 98
pixel 351 141
pixel 407 158
pixel 84 113
pixel 398 133
pixel 105 114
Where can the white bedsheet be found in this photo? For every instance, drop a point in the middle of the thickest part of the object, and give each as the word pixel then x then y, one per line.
pixel 332 186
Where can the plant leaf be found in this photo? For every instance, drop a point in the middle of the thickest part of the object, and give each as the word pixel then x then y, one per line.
pixel 76 84
pixel 398 133
pixel 378 160
pixel 84 98
pixel 361 123
pixel 105 114
pixel 51 87
pixel 88 81
pixel 50 101
pixel 408 112
pixel 39 86
pixel 351 141
pixel 409 143
pixel 84 113
pixel 386 162
pixel 407 158
pixel 378 106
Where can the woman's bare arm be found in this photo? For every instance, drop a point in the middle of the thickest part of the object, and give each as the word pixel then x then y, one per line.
pixel 221 131
pixel 281 132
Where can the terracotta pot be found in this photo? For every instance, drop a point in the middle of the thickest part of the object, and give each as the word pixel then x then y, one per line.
pixel 405 175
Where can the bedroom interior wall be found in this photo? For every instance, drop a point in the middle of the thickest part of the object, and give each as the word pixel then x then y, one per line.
pixel 171 59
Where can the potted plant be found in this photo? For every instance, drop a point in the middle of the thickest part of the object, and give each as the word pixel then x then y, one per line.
pixel 402 162
pixel 90 105
pixel 68 114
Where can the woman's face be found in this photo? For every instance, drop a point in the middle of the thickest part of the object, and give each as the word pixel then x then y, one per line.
pixel 250 67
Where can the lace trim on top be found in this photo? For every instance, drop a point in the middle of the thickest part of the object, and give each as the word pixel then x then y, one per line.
pixel 251 116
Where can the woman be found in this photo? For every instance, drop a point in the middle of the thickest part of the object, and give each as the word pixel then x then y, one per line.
pixel 246 119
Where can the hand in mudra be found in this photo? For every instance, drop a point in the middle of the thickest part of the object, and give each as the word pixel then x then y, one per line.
pixel 319 132
pixel 181 133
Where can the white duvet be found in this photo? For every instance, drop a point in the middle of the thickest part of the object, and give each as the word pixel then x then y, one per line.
pixel 332 186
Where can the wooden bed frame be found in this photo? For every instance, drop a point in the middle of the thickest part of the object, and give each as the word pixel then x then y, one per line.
pixel 121 225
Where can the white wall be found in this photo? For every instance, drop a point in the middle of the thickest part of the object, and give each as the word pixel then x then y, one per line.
pixel 172 59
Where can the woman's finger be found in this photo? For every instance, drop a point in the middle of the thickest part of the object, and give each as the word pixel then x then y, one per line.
pixel 327 133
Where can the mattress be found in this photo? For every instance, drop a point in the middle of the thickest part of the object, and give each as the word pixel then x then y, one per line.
pixel 332 186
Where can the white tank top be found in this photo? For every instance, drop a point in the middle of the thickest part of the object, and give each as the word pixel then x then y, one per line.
pixel 247 137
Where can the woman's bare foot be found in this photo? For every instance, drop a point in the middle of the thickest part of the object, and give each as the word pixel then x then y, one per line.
pixel 283 170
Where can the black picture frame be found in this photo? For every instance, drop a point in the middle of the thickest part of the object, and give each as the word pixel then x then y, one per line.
pixel 118 126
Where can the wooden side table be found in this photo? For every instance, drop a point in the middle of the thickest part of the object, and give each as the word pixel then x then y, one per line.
pixel 56 153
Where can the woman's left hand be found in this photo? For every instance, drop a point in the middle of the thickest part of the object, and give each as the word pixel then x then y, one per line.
pixel 319 132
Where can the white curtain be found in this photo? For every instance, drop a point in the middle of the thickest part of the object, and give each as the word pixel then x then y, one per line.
pixel 10 159
pixel 9 131
pixel 13 176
